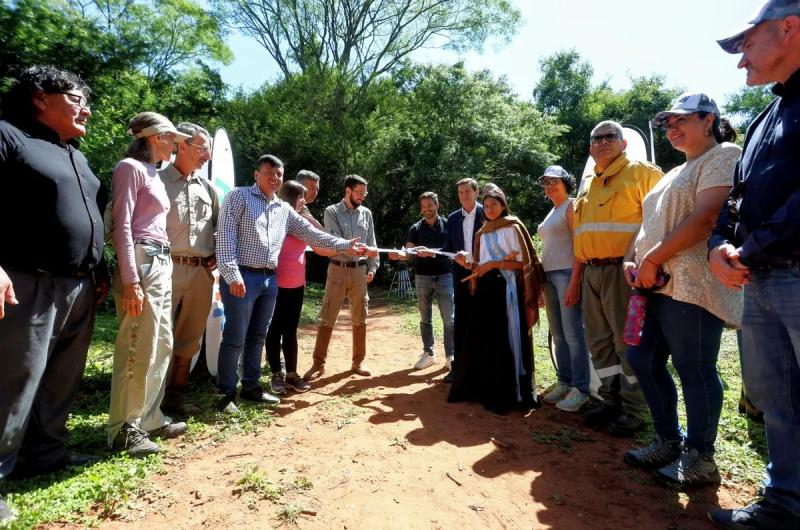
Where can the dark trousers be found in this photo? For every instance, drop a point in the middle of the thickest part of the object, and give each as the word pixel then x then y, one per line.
pixel 43 345
pixel 283 329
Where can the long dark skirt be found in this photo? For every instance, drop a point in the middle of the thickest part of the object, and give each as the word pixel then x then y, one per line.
pixel 484 369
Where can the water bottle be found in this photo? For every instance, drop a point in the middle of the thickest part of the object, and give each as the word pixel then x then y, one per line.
pixel 637 307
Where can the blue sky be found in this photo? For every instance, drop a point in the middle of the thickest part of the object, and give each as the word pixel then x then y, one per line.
pixel 620 38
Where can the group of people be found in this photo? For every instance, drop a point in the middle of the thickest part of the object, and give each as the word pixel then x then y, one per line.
pixel 713 243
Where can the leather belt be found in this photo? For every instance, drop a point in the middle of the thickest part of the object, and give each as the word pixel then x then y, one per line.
pixel 348 264
pixel 264 270
pixel 599 262
pixel 191 261
pixel 159 248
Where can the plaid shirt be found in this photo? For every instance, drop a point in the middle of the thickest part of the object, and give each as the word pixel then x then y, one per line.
pixel 252 228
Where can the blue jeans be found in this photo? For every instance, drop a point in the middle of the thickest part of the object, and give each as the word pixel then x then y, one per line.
pixel 566 327
pixel 692 335
pixel 246 322
pixel 771 372
pixel 440 285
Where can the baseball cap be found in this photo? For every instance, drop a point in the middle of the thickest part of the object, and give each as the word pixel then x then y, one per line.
pixel 555 171
pixel 771 10
pixel 686 103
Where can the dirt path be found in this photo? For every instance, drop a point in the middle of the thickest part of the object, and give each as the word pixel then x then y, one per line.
pixel 389 452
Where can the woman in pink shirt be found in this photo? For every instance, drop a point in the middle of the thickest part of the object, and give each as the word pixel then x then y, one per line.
pixel 142 289
pixel 291 273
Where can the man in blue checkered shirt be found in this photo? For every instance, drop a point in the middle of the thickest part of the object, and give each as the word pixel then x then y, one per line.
pixel 253 223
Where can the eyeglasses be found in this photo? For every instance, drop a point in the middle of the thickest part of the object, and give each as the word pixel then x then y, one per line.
pixel 202 148
pixel 604 138
pixel 76 99
pixel 550 181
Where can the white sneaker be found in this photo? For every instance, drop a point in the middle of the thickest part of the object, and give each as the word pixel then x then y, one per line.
pixel 425 360
pixel 556 393
pixel 448 363
pixel 573 402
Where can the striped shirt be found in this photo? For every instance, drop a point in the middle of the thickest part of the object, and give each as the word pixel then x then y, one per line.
pixel 252 228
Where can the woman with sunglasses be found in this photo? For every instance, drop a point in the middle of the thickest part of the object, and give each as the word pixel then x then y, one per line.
pixel 685 317
pixel 562 293
pixel 497 368
pixel 142 289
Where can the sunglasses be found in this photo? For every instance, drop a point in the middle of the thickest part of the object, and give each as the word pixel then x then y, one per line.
pixel 604 138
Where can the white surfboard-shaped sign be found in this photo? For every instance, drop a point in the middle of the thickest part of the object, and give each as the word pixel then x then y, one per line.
pixel 220 172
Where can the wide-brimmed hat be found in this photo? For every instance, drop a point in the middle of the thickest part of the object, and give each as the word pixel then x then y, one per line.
pixel 159 124
pixel 686 103
pixel 771 10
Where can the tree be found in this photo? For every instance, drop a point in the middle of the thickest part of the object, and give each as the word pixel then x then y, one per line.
pixel 363 39
pixel 746 104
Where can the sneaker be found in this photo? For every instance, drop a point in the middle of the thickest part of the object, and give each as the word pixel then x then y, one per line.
pixel 134 441
pixel 259 395
pixel 278 384
pixel 625 426
pixel 6 515
pixel 658 454
pixel 170 430
pixel 759 514
pixel 573 401
pixel 556 393
pixel 692 468
pixel 600 415
pixel 227 404
pixel 425 360
pixel 297 383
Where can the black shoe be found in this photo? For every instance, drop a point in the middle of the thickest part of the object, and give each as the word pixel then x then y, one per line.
pixel 656 455
pixel 449 377
pixel 691 469
pixel 25 470
pixel 175 405
pixel 227 404
pixel 759 514
pixel 6 515
pixel 625 426
pixel 259 395
pixel 600 416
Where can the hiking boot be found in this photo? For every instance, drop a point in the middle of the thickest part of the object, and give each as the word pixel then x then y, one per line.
pixel 278 384
pixel 425 360
pixel 658 454
pixel 315 372
pixel 625 426
pixel 134 441
pixel 6 515
pixel 168 431
pixel 600 415
pixel 759 514
pixel 259 395
pixel 361 370
pixel 227 404
pixel 297 383
pixel 556 393
pixel 573 401
pixel 692 468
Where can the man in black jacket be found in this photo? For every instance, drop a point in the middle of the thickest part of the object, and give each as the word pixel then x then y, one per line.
pixel 49 267
pixel 756 246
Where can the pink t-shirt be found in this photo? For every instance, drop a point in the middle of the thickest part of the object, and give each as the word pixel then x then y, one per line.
pixel 291 269
pixel 139 211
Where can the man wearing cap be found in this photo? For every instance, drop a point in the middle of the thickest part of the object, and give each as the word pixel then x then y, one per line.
pixel 432 277
pixel 756 246
pixel 608 213
pixel 191 224
pixel 348 276
pixel 462 225
pixel 253 223
pixel 52 247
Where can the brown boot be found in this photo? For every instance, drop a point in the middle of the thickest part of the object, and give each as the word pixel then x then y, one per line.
pixel 360 350
pixel 317 370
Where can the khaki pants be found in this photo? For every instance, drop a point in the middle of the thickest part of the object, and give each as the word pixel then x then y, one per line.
pixel 191 303
pixel 143 348
pixel 350 283
pixel 604 301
